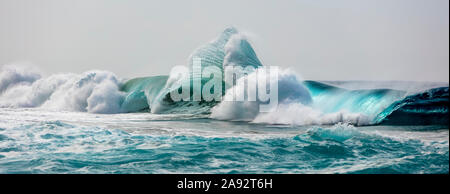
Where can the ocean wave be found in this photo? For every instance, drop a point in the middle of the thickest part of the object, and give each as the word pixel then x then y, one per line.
pixel 300 102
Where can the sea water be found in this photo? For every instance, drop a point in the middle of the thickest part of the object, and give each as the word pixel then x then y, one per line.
pixel 96 122
pixel 40 141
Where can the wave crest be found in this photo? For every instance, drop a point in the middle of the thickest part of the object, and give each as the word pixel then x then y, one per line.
pixel 93 91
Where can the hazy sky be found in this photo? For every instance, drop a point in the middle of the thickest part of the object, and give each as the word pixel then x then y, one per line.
pixel 319 39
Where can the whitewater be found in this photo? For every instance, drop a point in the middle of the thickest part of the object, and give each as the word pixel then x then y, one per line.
pixel 96 122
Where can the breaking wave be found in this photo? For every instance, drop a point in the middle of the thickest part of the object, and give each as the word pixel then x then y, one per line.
pixel 300 102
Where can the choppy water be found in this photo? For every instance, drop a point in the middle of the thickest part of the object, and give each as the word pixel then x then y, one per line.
pixel 39 141
pixel 52 124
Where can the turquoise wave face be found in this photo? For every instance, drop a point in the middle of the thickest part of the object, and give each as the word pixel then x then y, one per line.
pixel 384 106
pixel 141 92
pixel 429 107
pixel 58 147
pixel 229 49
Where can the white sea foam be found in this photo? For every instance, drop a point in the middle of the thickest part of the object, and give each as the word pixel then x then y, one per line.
pixel 15 74
pixel 92 91
pixel 295 107
pixel 299 114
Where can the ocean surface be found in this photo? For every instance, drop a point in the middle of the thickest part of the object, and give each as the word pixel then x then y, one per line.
pixel 37 141
pixel 96 122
